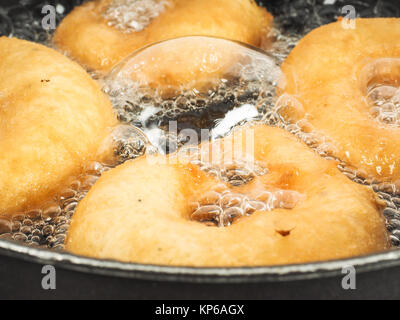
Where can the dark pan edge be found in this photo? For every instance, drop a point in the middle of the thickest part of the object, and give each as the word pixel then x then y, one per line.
pixel 309 271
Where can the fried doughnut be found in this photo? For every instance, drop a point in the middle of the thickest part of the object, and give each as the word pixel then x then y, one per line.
pixel 146 210
pixel 53 117
pixel 329 74
pixel 99 43
pixel 193 62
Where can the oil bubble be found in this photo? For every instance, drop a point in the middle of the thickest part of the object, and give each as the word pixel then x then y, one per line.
pixel 133 15
pixel 195 82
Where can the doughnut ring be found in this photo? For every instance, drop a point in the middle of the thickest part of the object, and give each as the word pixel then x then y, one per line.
pixel 334 86
pixel 165 210
pixel 53 117
pixel 99 34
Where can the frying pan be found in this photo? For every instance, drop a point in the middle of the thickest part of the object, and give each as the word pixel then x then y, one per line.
pixel 377 276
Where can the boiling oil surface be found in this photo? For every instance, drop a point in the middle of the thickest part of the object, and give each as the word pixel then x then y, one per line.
pixel 145 117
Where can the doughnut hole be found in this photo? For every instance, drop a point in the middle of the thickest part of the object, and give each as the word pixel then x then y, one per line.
pixel 140 212
pixel 381 83
pixel 223 206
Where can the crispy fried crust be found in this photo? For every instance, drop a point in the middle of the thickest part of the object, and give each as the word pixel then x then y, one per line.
pixel 52 119
pixel 86 37
pixel 328 74
pixel 139 212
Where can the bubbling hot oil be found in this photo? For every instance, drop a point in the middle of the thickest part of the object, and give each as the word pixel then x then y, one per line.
pixel 151 100
pixel 384 100
pixel 190 110
pixel 225 203
pixel 222 206
pixel 47 227
pixel 385 104
pixel 288 114
pixel 134 15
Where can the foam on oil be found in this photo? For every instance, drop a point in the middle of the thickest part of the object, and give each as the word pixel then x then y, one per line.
pixel 134 15
pixel 142 111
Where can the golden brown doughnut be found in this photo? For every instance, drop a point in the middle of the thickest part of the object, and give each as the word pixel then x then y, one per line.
pixel 85 34
pixel 193 62
pixel 330 73
pixel 53 117
pixel 144 211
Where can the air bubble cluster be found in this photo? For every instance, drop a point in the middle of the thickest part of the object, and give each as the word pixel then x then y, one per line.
pixel 288 114
pixel 385 104
pixel 223 206
pixel 134 15
pixel 189 109
pixel 47 226
pixel 144 103
pixel 236 173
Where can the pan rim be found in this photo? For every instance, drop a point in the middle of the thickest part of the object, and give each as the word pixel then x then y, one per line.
pixel 283 273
